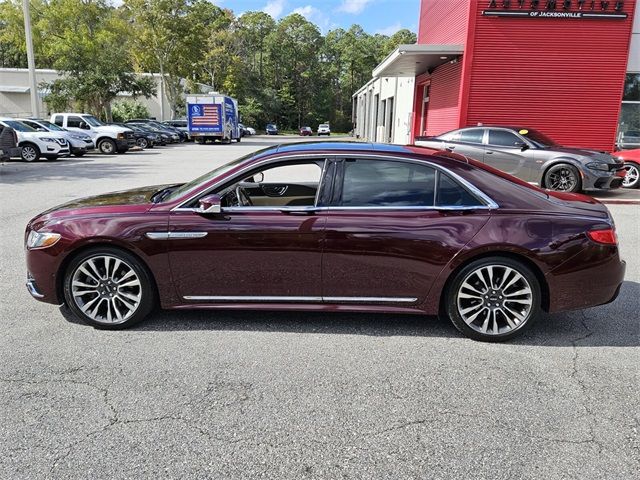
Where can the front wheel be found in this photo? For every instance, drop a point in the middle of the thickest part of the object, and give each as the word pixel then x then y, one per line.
pixel 563 178
pixel 493 299
pixel 142 143
pixel 107 146
pixel 30 153
pixel 632 178
pixel 108 288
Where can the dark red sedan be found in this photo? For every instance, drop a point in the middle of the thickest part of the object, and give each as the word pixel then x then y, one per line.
pixel 331 227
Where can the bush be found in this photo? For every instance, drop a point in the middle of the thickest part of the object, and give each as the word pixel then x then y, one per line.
pixel 123 111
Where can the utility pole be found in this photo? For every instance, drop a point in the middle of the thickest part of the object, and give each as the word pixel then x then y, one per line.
pixel 33 87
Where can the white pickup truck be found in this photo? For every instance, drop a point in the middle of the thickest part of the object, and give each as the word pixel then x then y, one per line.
pixel 107 138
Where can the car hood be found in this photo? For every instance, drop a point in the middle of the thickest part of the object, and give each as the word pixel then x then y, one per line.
pixel 593 155
pixel 111 129
pixel 125 201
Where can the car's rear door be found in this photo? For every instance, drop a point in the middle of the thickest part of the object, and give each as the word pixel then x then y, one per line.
pixel 508 152
pixel 390 231
pixel 247 254
pixel 468 142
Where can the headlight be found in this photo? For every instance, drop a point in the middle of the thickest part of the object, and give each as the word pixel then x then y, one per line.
pixel 42 240
pixel 45 139
pixel 120 136
pixel 603 167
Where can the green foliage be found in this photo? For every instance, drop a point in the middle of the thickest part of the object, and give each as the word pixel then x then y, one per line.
pixel 281 71
pixel 127 110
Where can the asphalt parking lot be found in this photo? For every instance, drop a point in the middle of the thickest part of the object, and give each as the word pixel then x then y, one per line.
pixel 300 395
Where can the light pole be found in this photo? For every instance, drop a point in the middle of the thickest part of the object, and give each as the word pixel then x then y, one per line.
pixel 35 111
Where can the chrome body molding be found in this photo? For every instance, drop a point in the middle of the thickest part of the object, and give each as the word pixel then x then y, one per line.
pixel 249 298
pixel 174 235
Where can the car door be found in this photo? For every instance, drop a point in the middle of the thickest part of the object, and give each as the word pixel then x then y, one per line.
pixel 392 227
pixel 468 142
pixel 268 253
pixel 509 152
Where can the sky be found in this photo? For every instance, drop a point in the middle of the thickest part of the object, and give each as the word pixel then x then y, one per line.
pixel 375 16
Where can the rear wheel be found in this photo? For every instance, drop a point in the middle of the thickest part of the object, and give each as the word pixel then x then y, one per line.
pixel 30 152
pixel 107 146
pixel 108 288
pixel 493 299
pixel 632 178
pixel 563 178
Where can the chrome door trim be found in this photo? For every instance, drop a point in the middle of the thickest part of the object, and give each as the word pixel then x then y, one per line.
pixel 490 204
pixel 174 235
pixel 300 299
pixel 249 298
pixel 370 299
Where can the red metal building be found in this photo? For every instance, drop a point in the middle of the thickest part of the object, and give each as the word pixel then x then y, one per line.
pixel 555 65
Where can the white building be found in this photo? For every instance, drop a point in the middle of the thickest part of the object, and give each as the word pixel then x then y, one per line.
pixel 383 110
pixel 15 99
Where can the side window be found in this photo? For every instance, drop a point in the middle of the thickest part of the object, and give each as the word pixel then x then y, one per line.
pixel 471 136
pixel 451 137
pixel 387 184
pixel 58 120
pixel 451 194
pixel 503 138
pixel 74 122
pixel 32 124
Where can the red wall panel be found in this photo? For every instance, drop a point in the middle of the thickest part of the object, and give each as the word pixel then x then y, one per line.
pixel 444 107
pixel 561 76
pixel 443 21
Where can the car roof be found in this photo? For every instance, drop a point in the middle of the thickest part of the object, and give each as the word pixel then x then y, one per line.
pixel 314 147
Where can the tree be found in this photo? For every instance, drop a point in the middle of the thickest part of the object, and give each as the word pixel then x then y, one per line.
pixel 167 37
pixel 127 110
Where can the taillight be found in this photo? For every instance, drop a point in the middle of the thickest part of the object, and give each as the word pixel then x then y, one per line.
pixel 605 237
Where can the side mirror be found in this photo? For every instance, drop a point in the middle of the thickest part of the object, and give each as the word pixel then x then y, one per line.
pixel 257 178
pixel 523 146
pixel 83 125
pixel 40 129
pixel 210 204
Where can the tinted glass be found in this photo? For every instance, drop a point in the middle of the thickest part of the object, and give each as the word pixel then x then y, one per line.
pixel 387 183
pixel 539 139
pixel 74 122
pixel 451 194
pixel 503 138
pixel 58 120
pixel 471 136
pixel 632 87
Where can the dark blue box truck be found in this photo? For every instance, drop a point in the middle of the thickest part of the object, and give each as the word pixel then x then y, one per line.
pixel 213 117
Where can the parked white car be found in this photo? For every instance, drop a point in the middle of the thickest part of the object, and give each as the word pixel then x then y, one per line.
pixel 324 129
pixel 37 144
pixel 107 138
pixel 80 143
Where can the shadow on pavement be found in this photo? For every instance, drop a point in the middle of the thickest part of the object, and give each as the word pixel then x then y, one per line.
pixel 615 324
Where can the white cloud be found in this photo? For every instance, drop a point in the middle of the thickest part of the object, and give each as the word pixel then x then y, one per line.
pixel 353 6
pixel 316 16
pixel 390 30
pixel 307 11
pixel 274 8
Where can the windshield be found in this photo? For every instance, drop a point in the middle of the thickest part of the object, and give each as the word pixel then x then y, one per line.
pixel 19 126
pixel 540 140
pixel 51 126
pixel 192 185
pixel 91 120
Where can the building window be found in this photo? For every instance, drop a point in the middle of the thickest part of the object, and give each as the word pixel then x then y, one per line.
pixel 629 125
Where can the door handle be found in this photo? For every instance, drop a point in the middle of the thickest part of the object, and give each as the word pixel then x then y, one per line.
pixel 489 152
pixel 449 147
pixel 299 210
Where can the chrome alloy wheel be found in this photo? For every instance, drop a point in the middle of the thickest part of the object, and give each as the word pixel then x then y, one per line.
pixel 631 178
pixel 106 289
pixel 495 299
pixel 29 153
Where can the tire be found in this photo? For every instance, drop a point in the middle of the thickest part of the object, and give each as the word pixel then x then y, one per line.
pixel 239 139
pixel 632 179
pixel 142 143
pixel 486 314
pixel 122 296
pixel 107 146
pixel 563 178
pixel 79 154
pixel 30 152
